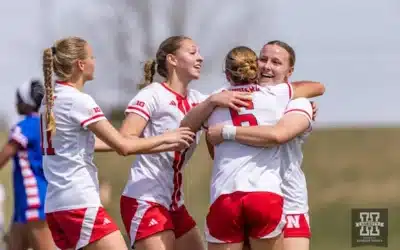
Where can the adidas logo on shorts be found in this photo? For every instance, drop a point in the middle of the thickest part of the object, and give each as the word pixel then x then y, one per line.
pixel 106 221
pixel 153 222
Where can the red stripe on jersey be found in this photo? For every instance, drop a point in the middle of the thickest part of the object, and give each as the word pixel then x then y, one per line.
pixel 183 105
pixel 187 105
pixel 179 159
pixel 290 90
pixel 129 108
pixel 299 110
pixel 179 96
pixel 91 119
pixel 65 83
pixel 180 105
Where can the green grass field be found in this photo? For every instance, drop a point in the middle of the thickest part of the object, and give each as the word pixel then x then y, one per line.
pixel 346 168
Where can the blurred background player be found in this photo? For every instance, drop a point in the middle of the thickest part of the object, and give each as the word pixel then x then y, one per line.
pixel 29 227
pixel 70 119
pixel 152 205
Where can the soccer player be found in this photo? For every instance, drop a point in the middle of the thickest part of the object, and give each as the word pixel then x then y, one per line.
pixel 276 64
pixel 152 205
pixel 29 227
pixel 70 119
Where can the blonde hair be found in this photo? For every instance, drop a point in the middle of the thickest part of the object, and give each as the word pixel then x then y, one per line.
pixel 241 65
pixel 159 65
pixel 60 59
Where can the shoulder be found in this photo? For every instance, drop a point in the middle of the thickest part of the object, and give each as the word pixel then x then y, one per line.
pixel 154 87
pixel 82 99
pixel 220 90
pixel 197 95
pixel 300 102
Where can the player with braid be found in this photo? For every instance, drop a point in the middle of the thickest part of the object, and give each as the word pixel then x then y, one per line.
pixel 73 127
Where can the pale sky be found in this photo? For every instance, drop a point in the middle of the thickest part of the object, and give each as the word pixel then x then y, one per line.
pixel 352 46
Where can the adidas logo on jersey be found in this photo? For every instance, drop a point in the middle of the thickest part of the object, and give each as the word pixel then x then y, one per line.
pixel 173 103
pixel 153 222
pixel 106 221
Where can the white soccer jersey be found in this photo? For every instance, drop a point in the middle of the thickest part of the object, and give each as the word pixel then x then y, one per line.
pixel 294 186
pixel 68 154
pixel 238 167
pixel 158 177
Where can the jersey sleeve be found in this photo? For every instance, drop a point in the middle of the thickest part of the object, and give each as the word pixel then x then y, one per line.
pixel 143 104
pixel 301 106
pixel 85 111
pixel 19 135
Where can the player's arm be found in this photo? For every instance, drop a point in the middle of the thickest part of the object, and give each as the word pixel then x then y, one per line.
pixel 100 146
pixel 297 120
pixel 17 140
pixel 134 145
pixel 133 126
pixel 307 89
pixel 210 147
pixel 228 99
pixel 290 126
pixel 8 151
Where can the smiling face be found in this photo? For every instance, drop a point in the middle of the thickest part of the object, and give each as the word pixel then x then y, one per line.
pixel 187 60
pixel 274 65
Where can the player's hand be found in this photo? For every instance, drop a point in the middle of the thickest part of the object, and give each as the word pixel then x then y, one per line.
pixel 231 99
pixel 181 137
pixel 314 109
pixel 214 134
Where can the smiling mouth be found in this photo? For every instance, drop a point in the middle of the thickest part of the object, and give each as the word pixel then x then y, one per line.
pixel 267 75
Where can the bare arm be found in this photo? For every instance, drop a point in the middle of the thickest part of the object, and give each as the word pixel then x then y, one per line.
pixel 210 148
pixel 133 126
pixel 8 151
pixel 290 126
pixel 307 89
pixel 100 146
pixel 199 114
pixel 134 145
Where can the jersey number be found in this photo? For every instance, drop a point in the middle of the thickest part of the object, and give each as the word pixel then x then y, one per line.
pixel 49 150
pixel 242 119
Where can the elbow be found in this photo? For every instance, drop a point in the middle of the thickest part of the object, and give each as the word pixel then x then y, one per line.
pixel 280 138
pixel 123 150
pixel 321 89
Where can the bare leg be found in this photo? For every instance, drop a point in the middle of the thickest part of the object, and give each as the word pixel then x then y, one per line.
pixel 40 235
pixel 161 241
pixel 113 240
pixel 191 240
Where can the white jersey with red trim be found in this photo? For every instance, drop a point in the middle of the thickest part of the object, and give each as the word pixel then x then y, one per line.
pixel 238 167
pixel 68 153
pixel 158 177
pixel 294 186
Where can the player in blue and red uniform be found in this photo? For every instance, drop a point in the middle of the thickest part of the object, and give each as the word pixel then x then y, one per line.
pixel 29 227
